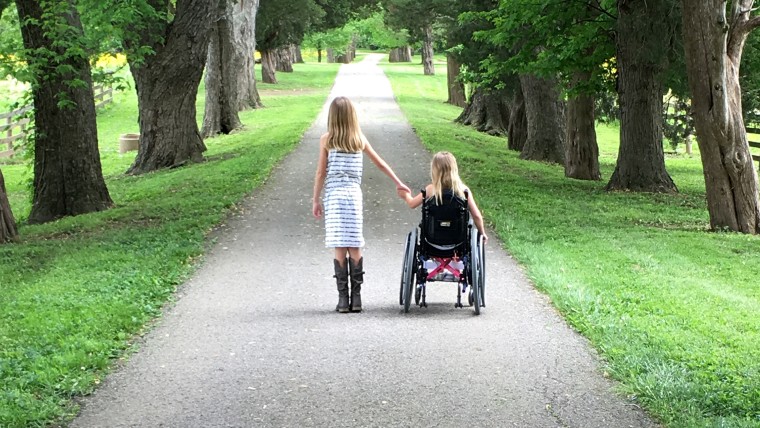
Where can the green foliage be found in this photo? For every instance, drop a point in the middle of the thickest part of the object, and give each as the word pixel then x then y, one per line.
pixel 548 38
pixel 750 80
pixel 336 38
pixel 468 50
pixel 136 27
pixel 671 307
pixel 372 31
pixel 338 13
pixel 677 124
pixel 367 32
pixel 414 15
pixel 75 292
pixel 285 22
pixel 33 62
pixel 10 42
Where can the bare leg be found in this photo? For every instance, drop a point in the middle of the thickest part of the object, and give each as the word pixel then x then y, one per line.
pixel 340 255
pixel 355 253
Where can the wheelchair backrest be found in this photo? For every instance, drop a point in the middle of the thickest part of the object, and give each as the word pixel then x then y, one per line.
pixel 445 224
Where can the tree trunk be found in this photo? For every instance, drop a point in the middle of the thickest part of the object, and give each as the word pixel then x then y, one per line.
pixel 641 160
pixel 456 88
pixel 487 112
pixel 394 55
pixel 427 52
pixel 283 62
pixel 68 178
pixel 545 113
pixel 352 48
pixel 517 128
pixel 713 56
pixel 244 41
pixel 330 55
pixel 400 54
pixel 8 230
pixel 295 53
pixel 267 66
pixel 406 54
pixel 581 148
pixel 319 55
pixel 167 86
pixel 221 110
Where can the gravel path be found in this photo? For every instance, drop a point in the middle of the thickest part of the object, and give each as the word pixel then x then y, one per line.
pixel 253 340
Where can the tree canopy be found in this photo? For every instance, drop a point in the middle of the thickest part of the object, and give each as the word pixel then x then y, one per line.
pixel 285 22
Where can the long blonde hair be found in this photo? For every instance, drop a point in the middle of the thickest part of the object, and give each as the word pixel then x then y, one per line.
pixel 445 176
pixel 343 128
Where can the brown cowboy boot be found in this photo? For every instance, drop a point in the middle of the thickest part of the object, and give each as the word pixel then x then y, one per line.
pixel 341 278
pixel 357 278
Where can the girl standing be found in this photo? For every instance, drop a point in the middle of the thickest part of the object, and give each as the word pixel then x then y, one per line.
pixel 339 172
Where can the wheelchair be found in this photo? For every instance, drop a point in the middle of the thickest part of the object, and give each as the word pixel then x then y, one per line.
pixel 446 247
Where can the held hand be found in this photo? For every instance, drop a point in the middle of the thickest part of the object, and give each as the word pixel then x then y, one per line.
pixel 401 187
pixel 404 193
pixel 316 209
pixel 485 238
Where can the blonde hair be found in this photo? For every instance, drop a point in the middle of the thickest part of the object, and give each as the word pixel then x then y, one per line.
pixel 445 176
pixel 345 135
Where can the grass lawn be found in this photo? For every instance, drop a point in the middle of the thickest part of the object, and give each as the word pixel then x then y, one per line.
pixel 76 291
pixel 671 307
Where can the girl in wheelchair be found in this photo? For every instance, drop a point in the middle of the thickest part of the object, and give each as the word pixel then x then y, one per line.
pixel 445 180
pixel 445 247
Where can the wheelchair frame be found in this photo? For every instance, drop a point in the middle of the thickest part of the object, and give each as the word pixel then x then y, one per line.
pixel 415 276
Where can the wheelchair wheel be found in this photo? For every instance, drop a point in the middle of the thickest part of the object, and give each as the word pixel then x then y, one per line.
pixel 474 274
pixel 407 275
pixel 408 247
pixel 482 270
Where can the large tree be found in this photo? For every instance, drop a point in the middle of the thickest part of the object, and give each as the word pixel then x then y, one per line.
pixel 644 33
pixel 167 46
pixel 714 41
pixel 230 74
pixel 581 148
pixel 488 107
pixel 563 41
pixel 280 24
pixel 456 94
pixel 545 112
pixel 418 18
pixel 68 179
pixel 487 111
pixel 8 230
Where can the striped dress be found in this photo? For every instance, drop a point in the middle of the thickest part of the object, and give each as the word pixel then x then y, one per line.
pixel 343 200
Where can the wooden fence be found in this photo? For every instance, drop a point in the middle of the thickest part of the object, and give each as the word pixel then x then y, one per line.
pixel 13 126
pixel 103 95
pixel 755 144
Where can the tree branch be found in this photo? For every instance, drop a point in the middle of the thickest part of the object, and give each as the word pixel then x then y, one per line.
pixel 752 23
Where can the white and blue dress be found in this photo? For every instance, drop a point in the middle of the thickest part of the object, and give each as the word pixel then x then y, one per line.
pixel 343 200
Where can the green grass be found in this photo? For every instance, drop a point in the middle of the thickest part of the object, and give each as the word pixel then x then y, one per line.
pixel 671 307
pixel 76 291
